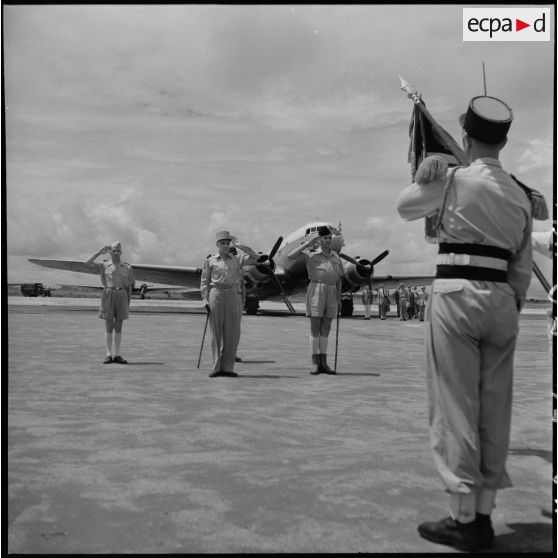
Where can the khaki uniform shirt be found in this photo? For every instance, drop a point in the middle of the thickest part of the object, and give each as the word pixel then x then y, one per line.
pixel 484 205
pixel 223 272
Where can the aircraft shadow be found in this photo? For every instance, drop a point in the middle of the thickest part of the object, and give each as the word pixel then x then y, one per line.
pixel 544 454
pixel 526 537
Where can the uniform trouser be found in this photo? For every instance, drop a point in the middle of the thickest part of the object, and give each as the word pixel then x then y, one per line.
pixel 366 309
pixel 382 310
pixel 403 311
pixel 471 331
pixel 224 320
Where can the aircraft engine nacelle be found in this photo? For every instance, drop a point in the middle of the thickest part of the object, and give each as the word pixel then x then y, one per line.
pixel 356 274
pixel 259 275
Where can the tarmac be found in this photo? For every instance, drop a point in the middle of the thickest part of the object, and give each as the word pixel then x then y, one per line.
pixel 155 457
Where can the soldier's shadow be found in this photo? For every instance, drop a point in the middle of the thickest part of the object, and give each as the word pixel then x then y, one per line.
pixel 132 363
pixel 357 373
pixel 526 537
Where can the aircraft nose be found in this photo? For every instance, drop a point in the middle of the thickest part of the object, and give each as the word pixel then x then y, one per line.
pixel 337 242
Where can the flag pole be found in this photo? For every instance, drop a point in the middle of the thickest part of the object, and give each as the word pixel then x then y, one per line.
pixel 484 78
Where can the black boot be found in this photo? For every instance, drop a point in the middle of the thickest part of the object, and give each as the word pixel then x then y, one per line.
pixel 323 363
pixel 449 531
pixel 316 362
pixel 486 531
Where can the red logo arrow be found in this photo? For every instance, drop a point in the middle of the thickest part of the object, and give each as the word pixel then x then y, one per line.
pixel 519 25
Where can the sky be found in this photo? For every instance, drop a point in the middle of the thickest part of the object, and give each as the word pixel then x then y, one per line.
pixel 158 125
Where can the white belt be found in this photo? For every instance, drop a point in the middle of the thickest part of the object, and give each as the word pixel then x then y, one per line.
pixel 475 261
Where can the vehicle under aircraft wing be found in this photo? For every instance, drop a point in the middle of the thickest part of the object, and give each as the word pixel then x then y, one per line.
pixel 276 277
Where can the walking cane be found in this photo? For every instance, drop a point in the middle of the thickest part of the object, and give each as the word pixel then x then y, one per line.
pixel 203 339
pixel 336 340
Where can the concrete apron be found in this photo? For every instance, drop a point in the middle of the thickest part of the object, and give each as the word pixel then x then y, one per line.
pixel 155 457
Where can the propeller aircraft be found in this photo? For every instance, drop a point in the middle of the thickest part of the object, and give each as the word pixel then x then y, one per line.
pixel 273 276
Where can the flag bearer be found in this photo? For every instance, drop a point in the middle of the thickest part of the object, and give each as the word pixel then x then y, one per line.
pixel 484 267
pixel 220 288
pixel 323 296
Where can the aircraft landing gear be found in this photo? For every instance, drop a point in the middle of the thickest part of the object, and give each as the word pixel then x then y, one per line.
pixel 347 306
pixel 251 305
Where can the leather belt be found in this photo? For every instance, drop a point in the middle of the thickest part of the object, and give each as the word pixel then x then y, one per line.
pixel 472 273
pixel 116 288
pixel 472 260
pixel 224 287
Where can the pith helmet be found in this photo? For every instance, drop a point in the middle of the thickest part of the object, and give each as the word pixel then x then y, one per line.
pixel 487 119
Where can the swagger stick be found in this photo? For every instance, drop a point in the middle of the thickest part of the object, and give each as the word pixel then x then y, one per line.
pixel 203 339
pixel 336 341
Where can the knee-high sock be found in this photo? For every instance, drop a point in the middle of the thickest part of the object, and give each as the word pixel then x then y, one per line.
pixel 314 345
pixel 485 501
pixel 108 341
pixel 117 341
pixel 323 345
pixel 463 507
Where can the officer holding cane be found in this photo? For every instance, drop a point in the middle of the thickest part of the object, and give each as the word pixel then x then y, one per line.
pixel 220 291
pixel 484 268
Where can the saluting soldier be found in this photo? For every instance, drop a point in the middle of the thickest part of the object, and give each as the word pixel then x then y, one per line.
pixel 118 281
pixel 221 288
pixel 323 296
pixel 484 267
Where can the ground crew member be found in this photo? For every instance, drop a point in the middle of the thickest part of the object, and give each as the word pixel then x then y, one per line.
pixel 383 302
pixel 221 293
pixel 422 297
pixel 118 281
pixel 396 298
pixel 484 268
pixel 411 305
pixel 366 300
pixel 323 296
pixel 403 303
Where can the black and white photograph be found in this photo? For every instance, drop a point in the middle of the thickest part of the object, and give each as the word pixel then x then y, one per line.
pixel 279 278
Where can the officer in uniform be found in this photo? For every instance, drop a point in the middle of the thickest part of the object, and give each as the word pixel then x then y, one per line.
pixel 220 288
pixel 484 267
pixel 323 296
pixel 118 280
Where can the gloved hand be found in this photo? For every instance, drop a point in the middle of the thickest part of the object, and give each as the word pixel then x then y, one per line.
pixel 206 305
pixel 432 169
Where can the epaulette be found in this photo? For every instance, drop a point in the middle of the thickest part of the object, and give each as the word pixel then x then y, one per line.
pixel 538 204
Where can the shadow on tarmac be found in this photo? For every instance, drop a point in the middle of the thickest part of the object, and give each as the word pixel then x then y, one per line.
pixel 131 363
pixel 526 537
pixel 357 374
pixel 544 454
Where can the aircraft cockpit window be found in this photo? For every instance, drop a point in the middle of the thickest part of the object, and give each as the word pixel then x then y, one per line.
pixel 307 231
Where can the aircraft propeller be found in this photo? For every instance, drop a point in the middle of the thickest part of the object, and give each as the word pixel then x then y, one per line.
pixel 365 268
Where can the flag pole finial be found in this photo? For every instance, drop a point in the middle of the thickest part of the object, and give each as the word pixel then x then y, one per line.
pixel 412 93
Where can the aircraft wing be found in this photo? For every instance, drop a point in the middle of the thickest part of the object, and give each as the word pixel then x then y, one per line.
pixel 164 274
